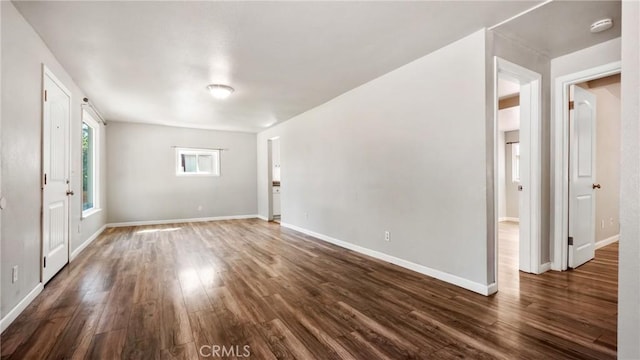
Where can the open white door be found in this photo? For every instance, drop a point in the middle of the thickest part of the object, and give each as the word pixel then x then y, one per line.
pixel 582 160
pixel 524 188
pixel 56 107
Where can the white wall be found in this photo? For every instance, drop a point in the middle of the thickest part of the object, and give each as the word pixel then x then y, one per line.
pixel 512 193
pixel 600 54
pixel 372 160
pixel 23 53
pixel 629 270
pixel 143 186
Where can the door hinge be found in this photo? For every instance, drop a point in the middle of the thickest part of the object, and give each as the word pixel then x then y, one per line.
pixel 45 261
pixel 45 179
pixel 571 105
pixel 570 240
pixel 45 95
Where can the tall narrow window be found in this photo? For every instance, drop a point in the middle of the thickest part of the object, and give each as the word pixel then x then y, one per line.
pixel 515 162
pixel 90 129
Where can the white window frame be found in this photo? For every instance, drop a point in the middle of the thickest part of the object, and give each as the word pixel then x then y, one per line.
pixel 88 119
pixel 215 154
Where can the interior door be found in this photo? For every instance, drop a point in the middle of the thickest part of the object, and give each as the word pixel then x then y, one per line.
pixel 582 161
pixel 55 155
pixel 524 188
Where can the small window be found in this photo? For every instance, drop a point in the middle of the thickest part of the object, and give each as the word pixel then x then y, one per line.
pixel 90 130
pixel 197 162
pixel 515 162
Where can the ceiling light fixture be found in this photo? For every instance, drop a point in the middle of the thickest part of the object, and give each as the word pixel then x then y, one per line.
pixel 219 91
pixel 601 25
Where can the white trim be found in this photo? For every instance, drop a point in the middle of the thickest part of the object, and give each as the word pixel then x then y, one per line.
pixel 175 221
pixel 508 218
pixel 560 157
pixel 89 212
pixel 529 251
pixel 525 12
pixel 262 217
pixel 440 275
pixel 492 288
pixel 544 268
pixel 87 242
pixel 608 241
pixel 19 308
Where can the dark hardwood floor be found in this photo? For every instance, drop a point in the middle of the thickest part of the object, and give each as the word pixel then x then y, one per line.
pixel 163 292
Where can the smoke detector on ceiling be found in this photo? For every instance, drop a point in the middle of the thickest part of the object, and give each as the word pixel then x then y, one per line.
pixel 601 25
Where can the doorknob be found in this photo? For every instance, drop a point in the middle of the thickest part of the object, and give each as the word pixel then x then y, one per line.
pixel 520 188
pixel 70 192
pixel 596 186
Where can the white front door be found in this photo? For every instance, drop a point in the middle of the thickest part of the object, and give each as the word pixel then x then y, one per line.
pixel 582 161
pixel 55 178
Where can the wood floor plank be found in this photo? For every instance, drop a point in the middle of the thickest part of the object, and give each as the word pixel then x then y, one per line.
pixel 165 291
pixel 42 340
pixel 143 335
pixel 181 352
pixel 79 332
pixel 175 329
pixel 108 345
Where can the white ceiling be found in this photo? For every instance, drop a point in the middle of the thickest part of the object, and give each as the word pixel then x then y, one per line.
pixel 562 27
pixel 151 61
pixel 507 88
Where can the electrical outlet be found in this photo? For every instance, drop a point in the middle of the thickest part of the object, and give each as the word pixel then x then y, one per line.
pixel 387 236
pixel 610 221
pixel 14 274
pixel 602 224
pixel 199 207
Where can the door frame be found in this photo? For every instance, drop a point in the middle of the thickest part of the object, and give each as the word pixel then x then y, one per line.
pixel 529 251
pixel 560 158
pixel 270 177
pixel 47 72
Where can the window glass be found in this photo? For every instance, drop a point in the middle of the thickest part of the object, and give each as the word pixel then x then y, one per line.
pixel 197 162
pixel 90 129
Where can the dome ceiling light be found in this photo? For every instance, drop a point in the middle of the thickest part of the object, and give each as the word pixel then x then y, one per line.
pixel 219 91
pixel 601 25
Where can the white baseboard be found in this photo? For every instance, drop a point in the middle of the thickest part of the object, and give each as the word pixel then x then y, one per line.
pixel 174 221
pixel 607 241
pixel 440 275
pixel 507 218
pixel 86 243
pixel 263 218
pixel 18 309
pixel 492 289
pixel 544 267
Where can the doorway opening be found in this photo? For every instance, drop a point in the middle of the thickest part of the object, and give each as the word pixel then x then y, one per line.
pixel 509 179
pixel 586 181
pixel 517 172
pixel 274 178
